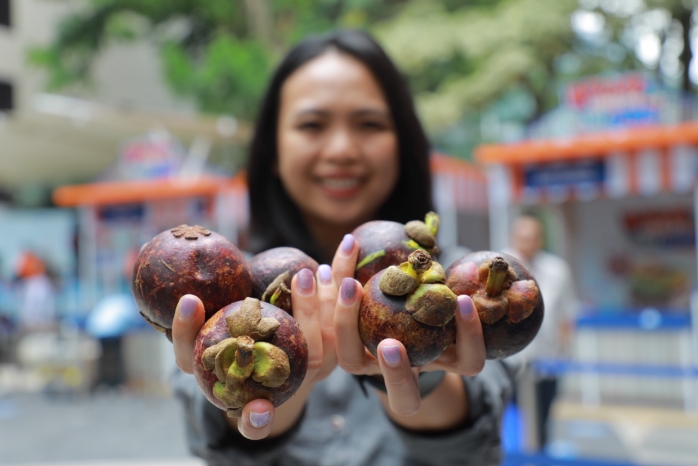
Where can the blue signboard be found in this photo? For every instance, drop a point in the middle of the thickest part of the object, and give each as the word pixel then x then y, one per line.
pixel 565 173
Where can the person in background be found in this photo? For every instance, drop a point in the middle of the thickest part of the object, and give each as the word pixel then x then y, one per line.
pixel 36 295
pixel 553 341
pixel 338 143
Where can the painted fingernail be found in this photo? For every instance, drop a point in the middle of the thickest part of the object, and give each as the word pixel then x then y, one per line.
pixel 187 307
pixel 347 244
pixel 465 306
pixel 259 419
pixel 324 273
pixel 391 355
pixel 348 290
pixel 305 280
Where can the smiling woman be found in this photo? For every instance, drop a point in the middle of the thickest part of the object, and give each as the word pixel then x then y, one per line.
pixel 337 146
pixel 341 134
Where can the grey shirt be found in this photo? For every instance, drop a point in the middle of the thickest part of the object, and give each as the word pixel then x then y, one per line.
pixel 341 426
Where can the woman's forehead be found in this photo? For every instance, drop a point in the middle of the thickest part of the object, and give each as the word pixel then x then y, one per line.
pixel 330 79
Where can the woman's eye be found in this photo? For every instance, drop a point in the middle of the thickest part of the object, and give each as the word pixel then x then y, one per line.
pixel 310 126
pixel 373 125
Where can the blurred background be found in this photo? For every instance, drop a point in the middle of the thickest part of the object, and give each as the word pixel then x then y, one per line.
pixel 121 118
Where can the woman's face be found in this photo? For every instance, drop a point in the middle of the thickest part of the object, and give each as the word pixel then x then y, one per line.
pixel 337 146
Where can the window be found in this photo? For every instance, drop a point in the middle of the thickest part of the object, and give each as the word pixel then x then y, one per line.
pixel 6 100
pixel 5 13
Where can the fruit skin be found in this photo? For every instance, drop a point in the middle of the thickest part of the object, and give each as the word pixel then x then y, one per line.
pixel 287 337
pixel 502 338
pixel 383 316
pixel 266 266
pixel 168 267
pixel 389 237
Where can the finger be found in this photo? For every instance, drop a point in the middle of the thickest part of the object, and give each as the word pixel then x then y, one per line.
pixel 256 420
pixel 344 261
pixel 305 304
pixel 327 296
pixel 400 379
pixel 351 354
pixel 188 319
pixel 467 356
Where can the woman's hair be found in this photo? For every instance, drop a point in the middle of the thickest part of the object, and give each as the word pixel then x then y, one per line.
pixel 275 219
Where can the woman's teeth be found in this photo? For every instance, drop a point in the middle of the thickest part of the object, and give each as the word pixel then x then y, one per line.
pixel 340 183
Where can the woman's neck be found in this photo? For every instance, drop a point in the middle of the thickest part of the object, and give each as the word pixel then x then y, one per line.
pixel 329 235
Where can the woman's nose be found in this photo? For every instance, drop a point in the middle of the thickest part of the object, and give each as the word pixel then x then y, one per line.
pixel 341 145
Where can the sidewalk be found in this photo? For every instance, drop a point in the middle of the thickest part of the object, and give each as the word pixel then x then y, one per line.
pixel 104 429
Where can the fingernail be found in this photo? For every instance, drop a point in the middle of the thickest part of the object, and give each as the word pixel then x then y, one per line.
pixel 187 307
pixel 259 419
pixel 348 290
pixel 305 280
pixel 347 244
pixel 324 273
pixel 465 306
pixel 391 354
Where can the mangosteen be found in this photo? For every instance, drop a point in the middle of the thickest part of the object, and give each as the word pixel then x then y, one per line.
pixel 272 272
pixel 187 260
pixel 505 295
pixel 249 350
pixel 411 304
pixel 383 243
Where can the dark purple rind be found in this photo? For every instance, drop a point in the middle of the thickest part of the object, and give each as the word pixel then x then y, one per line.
pixel 167 268
pixel 383 316
pixel 268 265
pixel 287 337
pixel 382 234
pixel 504 338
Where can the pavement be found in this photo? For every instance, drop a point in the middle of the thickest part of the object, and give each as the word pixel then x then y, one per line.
pixel 105 428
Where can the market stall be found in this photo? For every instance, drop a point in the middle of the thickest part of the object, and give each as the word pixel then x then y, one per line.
pixel 620 207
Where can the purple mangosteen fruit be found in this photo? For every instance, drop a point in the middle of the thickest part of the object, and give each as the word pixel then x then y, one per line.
pixel 249 350
pixel 383 243
pixel 411 304
pixel 272 272
pixel 187 260
pixel 506 298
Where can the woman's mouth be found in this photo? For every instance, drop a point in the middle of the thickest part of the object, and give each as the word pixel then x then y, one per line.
pixel 340 187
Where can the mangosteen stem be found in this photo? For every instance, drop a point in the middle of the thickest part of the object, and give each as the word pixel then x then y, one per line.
pixel 420 260
pixel 497 276
pixel 245 351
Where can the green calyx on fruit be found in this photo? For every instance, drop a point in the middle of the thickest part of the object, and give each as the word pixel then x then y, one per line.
pixel 278 292
pixel 429 300
pixel 424 233
pixel 236 359
pixel 503 294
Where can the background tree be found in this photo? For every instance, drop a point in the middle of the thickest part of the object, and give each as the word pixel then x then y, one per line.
pixel 481 70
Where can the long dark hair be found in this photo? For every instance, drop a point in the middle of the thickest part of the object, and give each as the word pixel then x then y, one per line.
pixel 275 219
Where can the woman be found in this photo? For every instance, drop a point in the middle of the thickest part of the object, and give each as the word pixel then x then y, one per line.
pixel 338 143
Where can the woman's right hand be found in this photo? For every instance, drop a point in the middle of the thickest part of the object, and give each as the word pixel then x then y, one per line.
pixel 314 300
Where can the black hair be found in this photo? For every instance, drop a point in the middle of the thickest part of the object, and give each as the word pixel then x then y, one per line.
pixel 275 219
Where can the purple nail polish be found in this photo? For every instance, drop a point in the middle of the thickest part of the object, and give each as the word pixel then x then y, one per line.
pixel 348 290
pixel 259 419
pixel 347 243
pixel 465 306
pixel 391 354
pixel 324 273
pixel 305 280
pixel 187 307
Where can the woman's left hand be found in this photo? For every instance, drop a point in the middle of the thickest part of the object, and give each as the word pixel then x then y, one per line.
pixel 465 357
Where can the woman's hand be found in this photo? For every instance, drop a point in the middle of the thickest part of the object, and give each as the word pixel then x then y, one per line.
pixel 314 300
pixel 465 357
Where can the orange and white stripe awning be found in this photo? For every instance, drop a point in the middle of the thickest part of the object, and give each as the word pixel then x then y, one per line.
pixel 459 184
pixel 640 161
